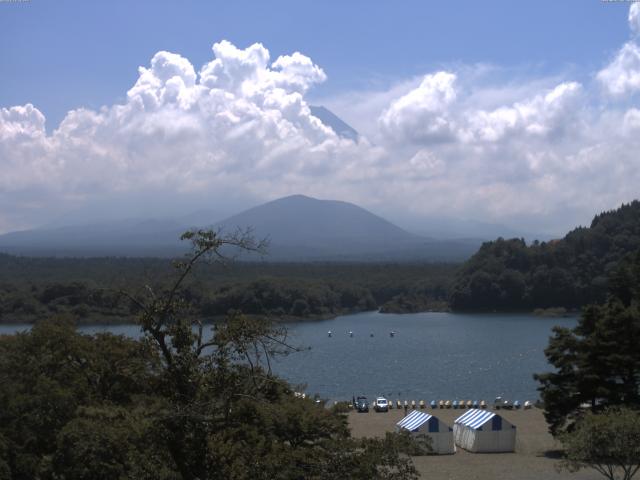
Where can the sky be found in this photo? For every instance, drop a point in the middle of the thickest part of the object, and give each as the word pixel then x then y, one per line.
pixel 525 114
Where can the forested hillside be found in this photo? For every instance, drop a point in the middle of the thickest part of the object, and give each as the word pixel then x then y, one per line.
pixel 569 272
pixel 33 288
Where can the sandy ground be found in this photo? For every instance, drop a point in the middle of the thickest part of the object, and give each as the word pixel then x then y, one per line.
pixel 533 459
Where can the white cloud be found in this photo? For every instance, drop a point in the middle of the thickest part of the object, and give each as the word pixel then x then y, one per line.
pixel 422 114
pixel 240 127
pixel 631 120
pixel 544 114
pixel 634 18
pixel 622 76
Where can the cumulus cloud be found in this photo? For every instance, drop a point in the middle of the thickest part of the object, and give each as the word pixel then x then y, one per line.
pixel 622 75
pixel 240 127
pixel 178 128
pixel 634 18
pixel 422 113
pixel 542 115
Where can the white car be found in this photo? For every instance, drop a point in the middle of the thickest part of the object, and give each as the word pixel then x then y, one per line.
pixel 381 405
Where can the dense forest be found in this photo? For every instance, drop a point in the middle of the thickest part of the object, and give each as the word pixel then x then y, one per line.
pixel 569 272
pixel 177 404
pixel 91 289
pixel 503 275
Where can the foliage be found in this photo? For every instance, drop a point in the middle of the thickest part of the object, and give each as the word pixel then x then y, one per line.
pixel 88 289
pixel 598 362
pixel 50 372
pixel 570 273
pixel 608 442
pixel 184 402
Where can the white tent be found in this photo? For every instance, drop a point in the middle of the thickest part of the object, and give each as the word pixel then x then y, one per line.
pixel 484 431
pixel 422 423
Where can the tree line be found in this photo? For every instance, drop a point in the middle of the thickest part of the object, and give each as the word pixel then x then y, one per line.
pixel 570 272
pixel 90 289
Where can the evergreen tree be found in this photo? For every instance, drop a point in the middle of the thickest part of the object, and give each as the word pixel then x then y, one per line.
pixel 597 362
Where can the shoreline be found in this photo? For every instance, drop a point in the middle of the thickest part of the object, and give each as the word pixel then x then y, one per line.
pixel 119 321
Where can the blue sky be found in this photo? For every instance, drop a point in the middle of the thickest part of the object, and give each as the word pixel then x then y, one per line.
pixel 520 113
pixel 67 54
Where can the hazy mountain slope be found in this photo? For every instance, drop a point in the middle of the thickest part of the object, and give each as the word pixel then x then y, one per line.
pixel 300 219
pixel 334 122
pixel 302 227
pixel 126 237
pixel 299 228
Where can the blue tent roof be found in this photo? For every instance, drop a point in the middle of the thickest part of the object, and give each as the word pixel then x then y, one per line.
pixel 475 418
pixel 414 420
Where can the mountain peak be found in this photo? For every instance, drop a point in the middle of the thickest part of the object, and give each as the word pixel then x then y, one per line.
pixel 335 123
pixel 299 227
pixel 297 197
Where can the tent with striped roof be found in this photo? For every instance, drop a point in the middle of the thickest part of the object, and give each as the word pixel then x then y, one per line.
pixel 422 423
pixel 484 431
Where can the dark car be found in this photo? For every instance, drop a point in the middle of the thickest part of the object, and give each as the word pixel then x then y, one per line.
pixel 362 404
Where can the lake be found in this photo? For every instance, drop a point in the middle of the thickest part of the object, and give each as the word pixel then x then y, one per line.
pixel 432 355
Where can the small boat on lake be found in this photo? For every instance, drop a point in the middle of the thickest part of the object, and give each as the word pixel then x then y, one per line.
pixel 329 333
pixel 350 333
pixel 392 333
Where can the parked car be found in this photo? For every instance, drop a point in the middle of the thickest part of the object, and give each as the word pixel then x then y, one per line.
pixel 381 405
pixel 362 404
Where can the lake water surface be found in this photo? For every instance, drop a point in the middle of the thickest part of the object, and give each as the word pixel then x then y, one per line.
pixel 432 355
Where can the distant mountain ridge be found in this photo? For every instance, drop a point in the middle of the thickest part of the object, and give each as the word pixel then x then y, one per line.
pixel 299 228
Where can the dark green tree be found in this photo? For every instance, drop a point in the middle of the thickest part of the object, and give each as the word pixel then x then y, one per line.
pixel 598 362
pixel 608 442
pixel 570 272
pixel 224 414
pixel 49 373
pixel 187 401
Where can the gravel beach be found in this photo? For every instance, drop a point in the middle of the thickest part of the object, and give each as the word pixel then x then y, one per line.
pixel 535 457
